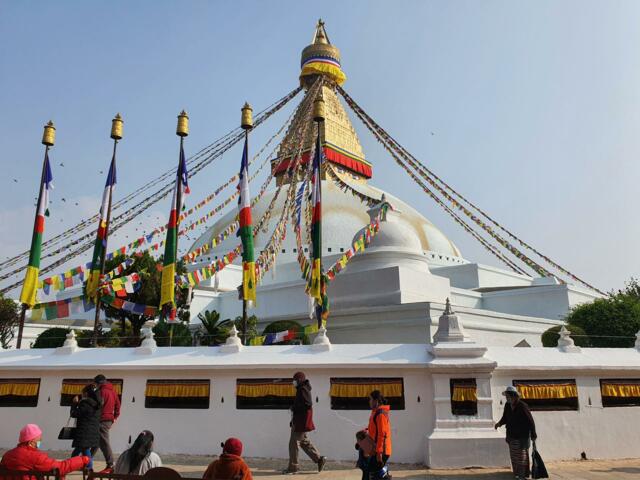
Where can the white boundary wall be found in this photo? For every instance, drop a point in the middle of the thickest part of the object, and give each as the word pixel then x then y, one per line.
pixel 422 433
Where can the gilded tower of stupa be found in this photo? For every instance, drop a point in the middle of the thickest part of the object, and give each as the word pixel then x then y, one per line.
pixel 339 139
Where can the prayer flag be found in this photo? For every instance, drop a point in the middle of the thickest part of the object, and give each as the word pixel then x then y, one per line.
pixel 30 284
pixel 168 284
pixel 100 245
pixel 245 232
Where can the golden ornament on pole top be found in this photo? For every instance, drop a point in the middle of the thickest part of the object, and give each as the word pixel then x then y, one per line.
pixel 49 134
pixel 183 124
pixel 247 117
pixel 318 109
pixel 116 127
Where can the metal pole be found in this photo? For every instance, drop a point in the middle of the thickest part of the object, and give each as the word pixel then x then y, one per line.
pixel 244 321
pixel 319 308
pixel 35 220
pixel 96 322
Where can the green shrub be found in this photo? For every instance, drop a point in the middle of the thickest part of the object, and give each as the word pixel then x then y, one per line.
pixel 550 337
pixel 181 334
pixel 51 338
pixel 105 339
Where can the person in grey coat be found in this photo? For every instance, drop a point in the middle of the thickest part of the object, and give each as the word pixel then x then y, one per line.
pixel 140 458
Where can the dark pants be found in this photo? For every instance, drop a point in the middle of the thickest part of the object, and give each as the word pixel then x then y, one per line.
pixel 370 466
pixel 105 445
pixel 86 452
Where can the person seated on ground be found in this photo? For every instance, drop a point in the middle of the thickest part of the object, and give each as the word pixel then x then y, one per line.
pixel 230 465
pixel 28 456
pixel 140 457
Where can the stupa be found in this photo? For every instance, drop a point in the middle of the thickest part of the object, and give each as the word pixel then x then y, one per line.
pixel 405 275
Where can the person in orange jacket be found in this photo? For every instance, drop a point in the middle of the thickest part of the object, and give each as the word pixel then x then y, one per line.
pixel 380 431
pixel 230 465
pixel 28 456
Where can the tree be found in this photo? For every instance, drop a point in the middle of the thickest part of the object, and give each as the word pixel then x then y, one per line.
pixel 181 334
pixel 612 321
pixel 148 294
pixel 282 325
pixel 111 338
pixel 9 320
pixel 216 331
pixel 51 338
pixel 252 327
pixel 551 336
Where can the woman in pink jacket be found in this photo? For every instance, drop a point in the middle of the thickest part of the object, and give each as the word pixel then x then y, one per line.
pixel 27 456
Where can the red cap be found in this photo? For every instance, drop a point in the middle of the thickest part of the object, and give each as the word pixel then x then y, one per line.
pixel 232 446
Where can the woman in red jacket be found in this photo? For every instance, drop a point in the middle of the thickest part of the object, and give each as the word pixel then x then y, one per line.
pixel 28 456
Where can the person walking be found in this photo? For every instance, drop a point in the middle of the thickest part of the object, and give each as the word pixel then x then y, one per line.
pixel 139 458
pixel 521 429
pixel 86 411
pixel 109 415
pixel 27 456
pixel 230 465
pixel 301 424
pixel 379 429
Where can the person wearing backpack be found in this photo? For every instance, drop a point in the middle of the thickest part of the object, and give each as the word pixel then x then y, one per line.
pixel 374 463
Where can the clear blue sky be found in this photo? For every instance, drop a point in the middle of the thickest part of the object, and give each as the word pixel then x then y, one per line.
pixel 534 106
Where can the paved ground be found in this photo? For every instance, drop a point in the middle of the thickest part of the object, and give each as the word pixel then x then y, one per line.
pixel 268 469
pixel 193 466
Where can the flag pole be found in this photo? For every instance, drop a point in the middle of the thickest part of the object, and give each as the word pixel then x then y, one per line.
pixel 116 134
pixel 246 123
pixel 48 140
pixel 169 267
pixel 318 117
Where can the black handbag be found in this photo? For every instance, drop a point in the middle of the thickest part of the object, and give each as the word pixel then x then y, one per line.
pixel 67 432
pixel 538 470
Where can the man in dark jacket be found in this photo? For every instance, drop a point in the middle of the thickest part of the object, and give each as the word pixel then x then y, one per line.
pixel 520 430
pixel 110 413
pixel 301 423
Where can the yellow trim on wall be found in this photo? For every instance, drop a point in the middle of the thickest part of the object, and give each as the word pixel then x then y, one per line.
pixel 177 390
pixel 265 389
pixel 72 388
pixel 19 389
pixel 362 390
pixel 620 390
pixel 464 394
pixel 547 391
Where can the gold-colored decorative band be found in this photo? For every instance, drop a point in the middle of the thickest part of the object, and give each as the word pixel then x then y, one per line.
pixel 19 389
pixel 362 390
pixel 177 390
pixel 75 388
pixel 620 390
pixel 265 389
pixel 464 394
pixel 547 391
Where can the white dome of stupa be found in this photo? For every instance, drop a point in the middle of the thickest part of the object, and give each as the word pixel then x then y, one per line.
pixel 343 216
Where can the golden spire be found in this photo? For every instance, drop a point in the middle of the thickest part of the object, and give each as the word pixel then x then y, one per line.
pixel 321 58
pixel 320 35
